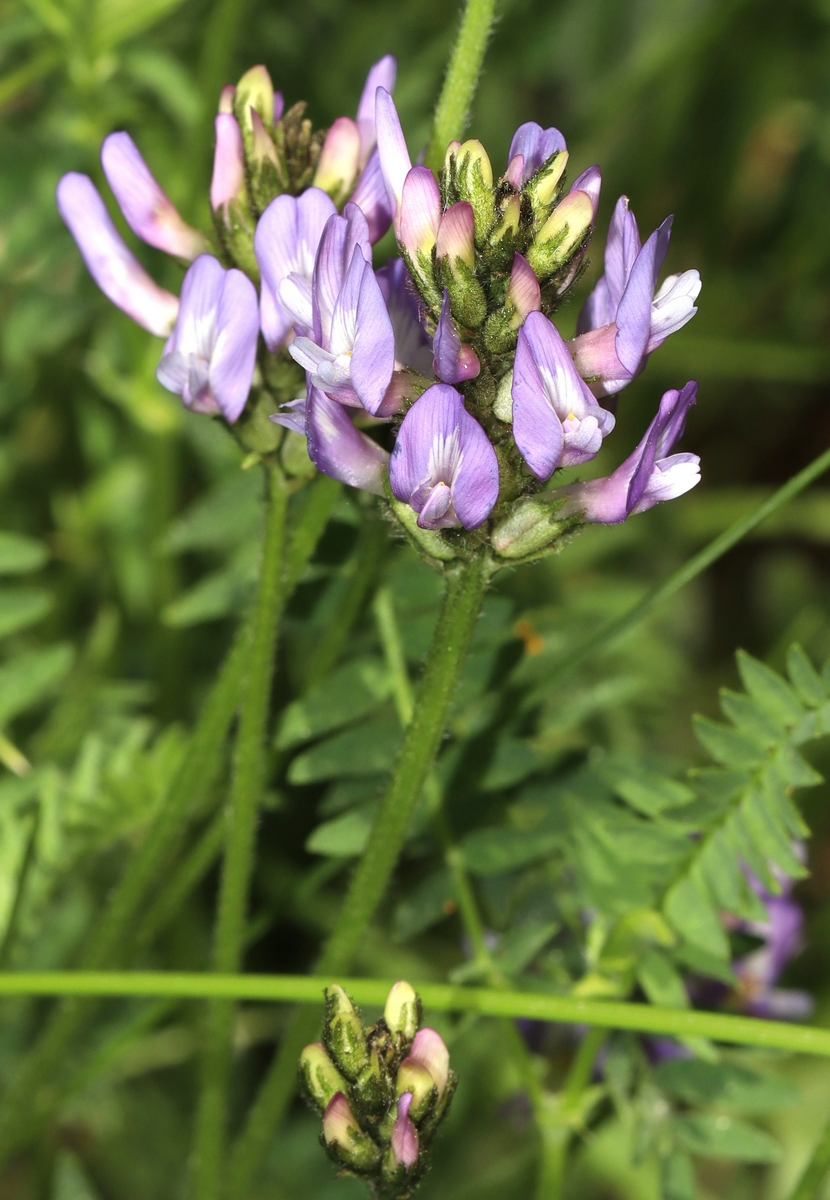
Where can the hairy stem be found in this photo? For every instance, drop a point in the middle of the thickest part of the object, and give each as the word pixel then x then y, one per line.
pixel 809 1185
pixel 453 107
pixel 451 640
pixel 243 804
pixel 556 1138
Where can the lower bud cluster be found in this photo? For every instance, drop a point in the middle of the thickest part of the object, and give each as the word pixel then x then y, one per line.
pixel 382 1091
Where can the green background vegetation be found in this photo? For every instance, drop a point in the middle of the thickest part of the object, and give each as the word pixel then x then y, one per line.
pixel 146 531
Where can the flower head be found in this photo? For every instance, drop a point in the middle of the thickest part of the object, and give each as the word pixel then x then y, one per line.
pixel 443 464
pixel 210 356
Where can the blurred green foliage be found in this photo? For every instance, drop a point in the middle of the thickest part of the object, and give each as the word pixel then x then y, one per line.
pixel 129 550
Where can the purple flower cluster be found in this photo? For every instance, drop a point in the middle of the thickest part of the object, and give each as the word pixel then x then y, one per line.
pixel 441 376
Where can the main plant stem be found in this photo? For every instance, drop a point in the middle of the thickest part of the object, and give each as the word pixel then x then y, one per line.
pixel 453 107
pixel 243 803
pixel 447 654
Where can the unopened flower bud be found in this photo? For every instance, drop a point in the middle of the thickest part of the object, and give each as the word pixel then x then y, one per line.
pixel 415 1078
pixel 228 182
pixel 403 1011
pixel 474 182
pixel 455 247
pixel 523 293
pixel 343 1034
pixel 320 1076
pixel 345 1140
pixel 339 160
pixel 403 1146
pixel 371 1086
pixel 426 541
pixel 430 1050
pixel 226 98
pixel 542 188
pixel 456 236
pixel 511 216
pixel 503 403
pixel 562 233
pixel 255 91
pixel 532 526
pixel 515 171
pixel 266 168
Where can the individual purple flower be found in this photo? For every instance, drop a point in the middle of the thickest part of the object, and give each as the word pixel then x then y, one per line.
pixel 209 358
pixel 454 360
pixel 285 243
pixel 348 160
pixel 412 343
pixel 556 420
pixel 647 477
pixel 430 1050
pixel 351 356
pixel 533 145
pixel 395 162
pixel 111 264
pixel 627 317
pixel 228 182
pixel 335 446
pixel 150 213
pixel 443 464
pixel 420 217
pixel 404 1142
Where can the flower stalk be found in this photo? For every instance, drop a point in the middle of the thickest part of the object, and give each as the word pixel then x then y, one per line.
pixel 460 81
pixel 466 584
pixel 243 804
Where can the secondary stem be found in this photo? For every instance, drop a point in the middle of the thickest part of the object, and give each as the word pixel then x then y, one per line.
pixel 460 82
pixel 246 789
pixel 450 643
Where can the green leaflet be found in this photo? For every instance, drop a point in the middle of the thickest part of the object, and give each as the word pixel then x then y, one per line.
pixel 732 1086
pixel 366 750
pixel 31 677
pixel 19 554
pixel 20 609
pixel 723 1137
pixel 346 696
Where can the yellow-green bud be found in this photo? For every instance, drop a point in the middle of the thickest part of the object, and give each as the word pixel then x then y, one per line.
pixel 529 529
pixel 561 234
pixel 474 182
pixel 321 1077
pixel 544 185
pixel 255 91
pixel 343 1033
pixel 415 1078
pixel 403 1010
